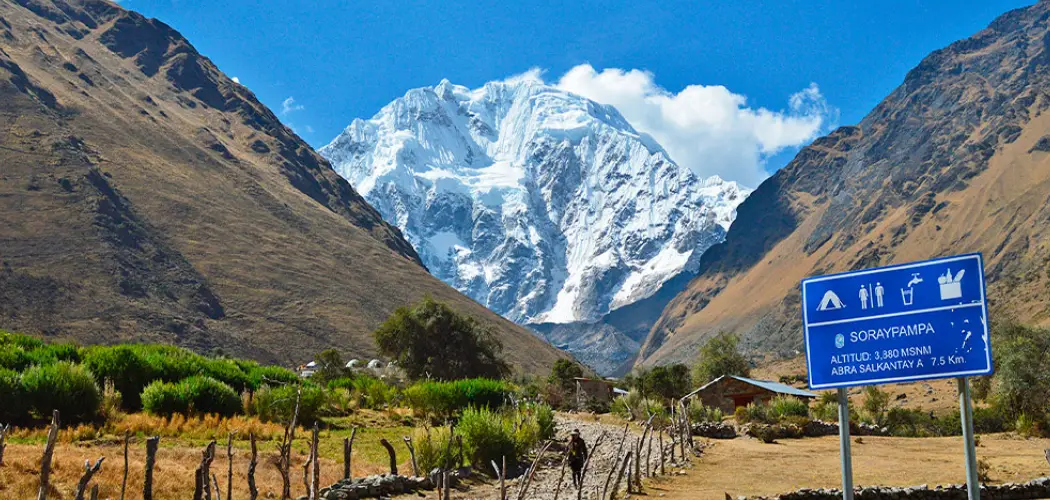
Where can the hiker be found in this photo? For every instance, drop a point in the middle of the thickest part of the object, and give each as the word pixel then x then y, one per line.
pixel 577 456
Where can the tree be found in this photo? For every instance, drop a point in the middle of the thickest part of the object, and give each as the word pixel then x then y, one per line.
pixel 430 340
pixel 1021 384
pixel 720 356
pixel 330 366
pixel 667 382
pixel 876 402
pixel 563 374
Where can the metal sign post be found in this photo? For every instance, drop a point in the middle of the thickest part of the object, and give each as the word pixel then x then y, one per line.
pixel 973 483
pixel 844 446
pixel 918 321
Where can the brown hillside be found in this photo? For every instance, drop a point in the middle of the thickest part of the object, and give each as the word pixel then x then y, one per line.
pixel 956 159
pixel 145 196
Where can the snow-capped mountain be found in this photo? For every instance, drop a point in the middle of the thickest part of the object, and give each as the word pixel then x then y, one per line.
pixel 540 204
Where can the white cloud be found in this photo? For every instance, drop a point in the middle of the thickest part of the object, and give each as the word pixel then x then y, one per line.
pixel 706 128
pixel 289 106
pixel 236 80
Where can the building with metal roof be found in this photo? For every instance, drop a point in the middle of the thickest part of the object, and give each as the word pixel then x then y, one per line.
pixel 729 392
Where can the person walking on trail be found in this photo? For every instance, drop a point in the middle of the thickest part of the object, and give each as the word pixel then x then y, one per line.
pixel 577 456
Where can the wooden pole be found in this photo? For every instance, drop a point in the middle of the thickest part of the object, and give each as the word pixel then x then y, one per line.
pixel 202 483
pixel 532 470
pixel 253 491
pixel 229 464
pixel 561 476
pixel 393 455
pixel 306 474
pixel 94 492
pixel 315 479
pixel 649 454
pixel 661 445
pixel 3 435
pixel 638 463
pixel 412 452
pixel 89 472
pixel 45 461
pixel 502 480
pixel 215 486
pixel 284 464
pixel 587 464
pixel 623 467
pixel 124 482
pixel 151 460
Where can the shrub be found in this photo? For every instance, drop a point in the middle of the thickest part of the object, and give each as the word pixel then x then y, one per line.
pixel 14 357
pixel 781 407
pixel 751 413
pixel 277 404
pixel 432 449
pixel 487 437
pixel 228 372
pixel 165 399
pixel 126 367
pixel 14 408
pixel 545 421
pixel 699 413
pixel 443 400
pixel 875 403
pixel 65 387
pixel 51 353
pixel 373 393
pixel 25 342
pixel 633 407
pixel 272 376
pixel 208 395
pixel 197 395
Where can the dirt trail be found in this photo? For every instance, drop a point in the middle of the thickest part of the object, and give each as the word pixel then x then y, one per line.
pixel 748 467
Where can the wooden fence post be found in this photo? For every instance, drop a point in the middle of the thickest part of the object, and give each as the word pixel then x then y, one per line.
pixel 661 445
pixel 253 491
pixel 306 474
pixel 124 482
pixel 531 471
pixel 348 449
pixel 616 484
pixel 315 478
pixel 412 452
pixel 284 464
pixel 587 464
pixel 393 455
pixel 229 463
pixel 202 483
pixel 151 460
pixel 45 461
pixel 89 472
pixel 4 429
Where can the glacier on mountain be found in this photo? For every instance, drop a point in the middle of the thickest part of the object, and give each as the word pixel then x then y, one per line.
pixel 540 204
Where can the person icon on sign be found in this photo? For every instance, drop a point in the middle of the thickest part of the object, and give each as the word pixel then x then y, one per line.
pixel 863 297
pixel 878 294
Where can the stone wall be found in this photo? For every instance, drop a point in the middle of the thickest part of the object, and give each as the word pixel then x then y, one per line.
pixel 1036 488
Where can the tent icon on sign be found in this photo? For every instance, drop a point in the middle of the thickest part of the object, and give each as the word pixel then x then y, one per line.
pixel 830 302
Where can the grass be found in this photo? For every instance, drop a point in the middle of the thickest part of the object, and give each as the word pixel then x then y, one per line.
pixel 182 440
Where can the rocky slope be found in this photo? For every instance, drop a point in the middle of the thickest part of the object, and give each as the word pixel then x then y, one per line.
pixel 146 196
pixel 544 206
pixel 956 159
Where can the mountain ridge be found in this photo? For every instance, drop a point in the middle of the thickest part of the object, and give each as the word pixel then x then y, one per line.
pixel 952 161
pixel 151 198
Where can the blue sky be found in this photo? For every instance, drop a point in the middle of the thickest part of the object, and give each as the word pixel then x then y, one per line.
pixel 342 60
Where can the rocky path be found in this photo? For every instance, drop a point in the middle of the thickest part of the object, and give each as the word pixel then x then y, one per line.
pixel 545 480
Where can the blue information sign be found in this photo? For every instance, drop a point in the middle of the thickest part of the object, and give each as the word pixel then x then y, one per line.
pixel 917 321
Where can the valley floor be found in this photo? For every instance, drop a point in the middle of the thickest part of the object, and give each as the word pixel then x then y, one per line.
pixel 745 466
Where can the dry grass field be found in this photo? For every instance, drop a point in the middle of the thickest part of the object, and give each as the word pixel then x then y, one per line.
pixel 180 451
pixel 748 467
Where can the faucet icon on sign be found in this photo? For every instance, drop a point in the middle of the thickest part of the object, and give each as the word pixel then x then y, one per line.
pixel 908 294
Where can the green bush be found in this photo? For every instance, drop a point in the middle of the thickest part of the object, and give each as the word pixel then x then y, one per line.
pixel 14 357
pixel 751 413
pixel 432 448
pixel 277 404
pixel 633 407
pixel 197 395
pixel 126 367
pixel 443 400
pixel 781 407
pixel 14 409
pixel 228 372
pixel 165 398
pixel 65 387
pixel 271 375
pixel 545 421
pixel 698 412
pixel 208 395
pixel 373 393
pixel 487 436
pixel 25 342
